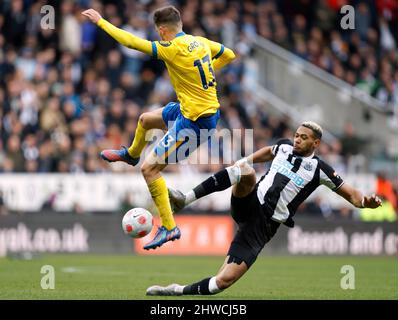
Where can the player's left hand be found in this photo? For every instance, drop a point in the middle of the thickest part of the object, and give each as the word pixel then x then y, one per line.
pixel 93 15
pixel 372 202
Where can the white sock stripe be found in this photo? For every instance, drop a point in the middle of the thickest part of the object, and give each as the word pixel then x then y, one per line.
pixel 234 174
pixel 179 289
pixel 190 197
pixel 213 288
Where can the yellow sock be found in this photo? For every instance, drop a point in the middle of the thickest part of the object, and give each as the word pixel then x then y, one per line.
pixel 139 142
pixel 160 196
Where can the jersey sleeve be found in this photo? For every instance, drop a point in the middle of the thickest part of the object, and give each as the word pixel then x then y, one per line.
pixel 275 148
pixel 217 49
pixel 125 38
pixel 163 50
pixel 328 176
pixel 220 55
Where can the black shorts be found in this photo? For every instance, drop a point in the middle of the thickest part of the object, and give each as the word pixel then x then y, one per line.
pixel 255 228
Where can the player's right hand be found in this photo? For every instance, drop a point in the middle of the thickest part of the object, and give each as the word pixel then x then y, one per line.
pixel 93 15
pixel 372 202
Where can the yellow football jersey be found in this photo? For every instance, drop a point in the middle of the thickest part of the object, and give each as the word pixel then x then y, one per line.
pixel 191 62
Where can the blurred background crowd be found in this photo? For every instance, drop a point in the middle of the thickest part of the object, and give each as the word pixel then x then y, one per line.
pixel 69 92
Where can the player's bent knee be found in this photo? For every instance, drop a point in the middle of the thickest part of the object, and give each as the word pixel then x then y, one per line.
pixel 148 170
pixel 144 120
pixel 247 182
pixel 245 168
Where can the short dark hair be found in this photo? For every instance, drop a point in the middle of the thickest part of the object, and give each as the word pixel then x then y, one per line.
pixel 166 15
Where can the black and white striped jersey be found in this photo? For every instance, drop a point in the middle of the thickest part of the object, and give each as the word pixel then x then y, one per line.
pixel 290 180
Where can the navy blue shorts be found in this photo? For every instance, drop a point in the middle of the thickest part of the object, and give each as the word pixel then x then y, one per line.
pixel 184 135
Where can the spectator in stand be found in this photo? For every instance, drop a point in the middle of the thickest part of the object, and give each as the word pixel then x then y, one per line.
pixel 351 143
pixel 385 189
pixel 3 207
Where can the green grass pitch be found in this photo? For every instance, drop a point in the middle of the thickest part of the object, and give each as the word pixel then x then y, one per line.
pixel 127 277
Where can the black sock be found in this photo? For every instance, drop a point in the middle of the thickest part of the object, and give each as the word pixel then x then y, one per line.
pixel 217 182
pixel 201 287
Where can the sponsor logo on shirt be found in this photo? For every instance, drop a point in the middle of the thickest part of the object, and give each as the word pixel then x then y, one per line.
pixel 165 43
pixel 283 167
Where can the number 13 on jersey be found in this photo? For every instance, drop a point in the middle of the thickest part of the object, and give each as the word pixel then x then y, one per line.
pixel 198 64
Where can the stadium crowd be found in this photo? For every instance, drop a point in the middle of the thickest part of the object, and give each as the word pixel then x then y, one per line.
pixel 69 92
pixel 365 57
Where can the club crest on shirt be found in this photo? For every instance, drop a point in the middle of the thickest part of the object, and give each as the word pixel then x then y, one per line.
pixel 308 166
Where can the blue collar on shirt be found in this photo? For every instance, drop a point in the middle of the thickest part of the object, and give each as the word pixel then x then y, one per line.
pixel 180 34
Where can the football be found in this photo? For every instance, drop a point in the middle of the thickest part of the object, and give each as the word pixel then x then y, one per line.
pixel 137 222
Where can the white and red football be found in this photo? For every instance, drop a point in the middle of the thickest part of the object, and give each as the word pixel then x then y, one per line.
pixel 137 222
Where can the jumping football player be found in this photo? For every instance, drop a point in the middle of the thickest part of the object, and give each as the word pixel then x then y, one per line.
pixel 191 62
pixel 260 208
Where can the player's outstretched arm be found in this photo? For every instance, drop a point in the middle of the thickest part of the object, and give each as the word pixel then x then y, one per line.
pixel 123 37
pixel 356 198
pixel 262 155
